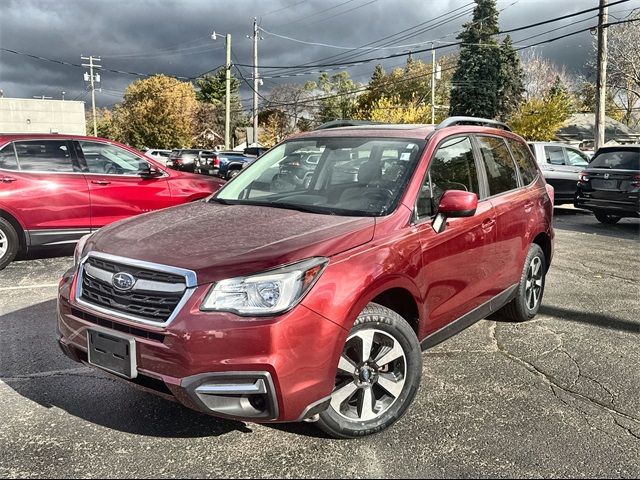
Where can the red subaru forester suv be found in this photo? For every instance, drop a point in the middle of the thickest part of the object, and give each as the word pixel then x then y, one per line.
pixel 276 300
pixel 56 188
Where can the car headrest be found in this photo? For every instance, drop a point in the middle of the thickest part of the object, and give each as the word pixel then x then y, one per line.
pixel 369 171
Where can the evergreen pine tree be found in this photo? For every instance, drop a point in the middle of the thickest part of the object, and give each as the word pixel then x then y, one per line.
pixel 475 83
pixel 511 81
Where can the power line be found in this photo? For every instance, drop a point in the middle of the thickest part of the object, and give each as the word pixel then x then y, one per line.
pixel 395 55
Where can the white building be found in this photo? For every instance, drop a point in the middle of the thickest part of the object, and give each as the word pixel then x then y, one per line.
pixel 30 115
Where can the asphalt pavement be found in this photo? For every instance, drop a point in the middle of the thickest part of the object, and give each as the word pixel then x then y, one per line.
pixel 555 397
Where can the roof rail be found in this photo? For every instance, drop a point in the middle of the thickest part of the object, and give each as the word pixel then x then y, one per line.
pixel 346 123
pixel 485 122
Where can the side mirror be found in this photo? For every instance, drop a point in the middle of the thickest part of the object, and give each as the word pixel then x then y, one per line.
pixel 454 204
pixel 151 171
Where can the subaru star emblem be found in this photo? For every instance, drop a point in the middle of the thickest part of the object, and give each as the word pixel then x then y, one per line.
pixel 123 281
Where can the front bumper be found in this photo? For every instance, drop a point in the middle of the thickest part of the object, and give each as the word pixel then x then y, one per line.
pixel 264 370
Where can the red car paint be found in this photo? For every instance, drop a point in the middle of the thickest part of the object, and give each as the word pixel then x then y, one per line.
pixel 390 259
pixel 55 207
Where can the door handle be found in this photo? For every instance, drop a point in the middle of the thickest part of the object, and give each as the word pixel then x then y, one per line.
pixel 7 179
pixel 100 182
pixel 528 206
pixel 488 224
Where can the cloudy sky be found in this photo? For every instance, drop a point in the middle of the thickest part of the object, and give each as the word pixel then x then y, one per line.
pixel 174 37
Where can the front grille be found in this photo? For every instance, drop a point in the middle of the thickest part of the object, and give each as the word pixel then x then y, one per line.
pixel 154 306
pixel 102 322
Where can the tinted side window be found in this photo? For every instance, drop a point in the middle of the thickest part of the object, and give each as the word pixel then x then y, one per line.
pixel 554 155
pixel 45 156
pixel 501 171
pixel 111 160
pixel 8 158
pixel 452 168
pixel 525 161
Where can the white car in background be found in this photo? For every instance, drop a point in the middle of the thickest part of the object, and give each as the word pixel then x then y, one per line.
pixel 161 156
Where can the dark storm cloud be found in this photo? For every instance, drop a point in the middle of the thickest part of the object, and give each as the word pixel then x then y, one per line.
pixel 173 37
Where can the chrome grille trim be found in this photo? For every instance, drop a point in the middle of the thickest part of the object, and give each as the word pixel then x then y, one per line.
pixel 188 287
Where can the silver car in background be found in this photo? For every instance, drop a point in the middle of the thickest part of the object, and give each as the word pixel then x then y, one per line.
pixel 561 165
pixel 158 154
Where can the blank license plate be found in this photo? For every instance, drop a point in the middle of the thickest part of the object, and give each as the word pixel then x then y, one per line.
pixel 606 184
pixel 112 353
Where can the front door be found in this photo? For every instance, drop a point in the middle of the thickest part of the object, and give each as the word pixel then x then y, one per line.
pixel 117 188
pixel 457 263
pixel 49 191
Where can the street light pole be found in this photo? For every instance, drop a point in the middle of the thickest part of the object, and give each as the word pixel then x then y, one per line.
pixel 433 84
pixel 92 79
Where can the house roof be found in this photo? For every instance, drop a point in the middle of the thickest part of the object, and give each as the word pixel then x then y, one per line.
pixel 581 126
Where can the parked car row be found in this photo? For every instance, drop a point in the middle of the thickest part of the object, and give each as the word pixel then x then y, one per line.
pixel 607 185
pixel 56 188
pixel 223 164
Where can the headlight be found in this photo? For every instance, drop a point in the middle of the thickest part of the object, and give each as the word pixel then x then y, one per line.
pixel 266 293
pixel 77 255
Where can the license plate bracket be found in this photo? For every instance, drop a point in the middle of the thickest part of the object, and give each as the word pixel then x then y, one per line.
pixel 113 353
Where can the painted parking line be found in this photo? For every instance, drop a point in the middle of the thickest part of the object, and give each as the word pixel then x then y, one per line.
pixel 29 287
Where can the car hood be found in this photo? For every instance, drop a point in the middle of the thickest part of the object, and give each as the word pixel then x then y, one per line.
pixel 222 241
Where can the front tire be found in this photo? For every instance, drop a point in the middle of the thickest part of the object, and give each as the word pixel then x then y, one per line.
pixel 9 243
pixel 529 292
pixel 378 375
pixel 607 218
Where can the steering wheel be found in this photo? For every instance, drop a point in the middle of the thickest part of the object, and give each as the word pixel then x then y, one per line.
pixel 378 196
pixel 110 169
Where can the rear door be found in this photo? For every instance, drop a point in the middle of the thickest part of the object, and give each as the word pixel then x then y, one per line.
pixel 559 173
pixel 117 188
pixel 49 191
pixel 514 207
pixel 458 264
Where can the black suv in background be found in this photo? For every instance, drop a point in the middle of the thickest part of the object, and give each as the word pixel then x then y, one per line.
pixel 610 185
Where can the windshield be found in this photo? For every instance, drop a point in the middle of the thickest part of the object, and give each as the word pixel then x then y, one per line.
pixel 623 159
pixel 339 175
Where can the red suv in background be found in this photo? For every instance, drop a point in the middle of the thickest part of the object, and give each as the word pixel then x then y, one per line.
pixel 56 188
pixel 319 306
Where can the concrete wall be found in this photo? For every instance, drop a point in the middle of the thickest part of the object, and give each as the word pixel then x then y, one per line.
pixel 31 115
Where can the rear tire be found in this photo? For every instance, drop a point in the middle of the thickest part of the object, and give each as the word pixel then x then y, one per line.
pixel 530 289
pixel 607 218
pixel 378 375
pixel 9 243
pixel 232 173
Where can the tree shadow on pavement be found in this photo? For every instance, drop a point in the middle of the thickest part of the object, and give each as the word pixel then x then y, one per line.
pixel 585 222
pixel 591 318
pixel 33 366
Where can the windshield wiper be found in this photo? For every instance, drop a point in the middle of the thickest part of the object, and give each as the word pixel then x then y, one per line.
pixel 300 208
pixel 220 200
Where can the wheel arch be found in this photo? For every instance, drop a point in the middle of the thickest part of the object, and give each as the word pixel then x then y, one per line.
pixel 17 225
pixel 543 240
pixel 398 294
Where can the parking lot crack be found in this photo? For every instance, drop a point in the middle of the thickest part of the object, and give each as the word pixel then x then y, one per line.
pixel 552 382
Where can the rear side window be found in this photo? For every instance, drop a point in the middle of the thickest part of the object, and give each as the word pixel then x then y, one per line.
pixel 45 156
pixel 452 168
pixel 554 155
pixel 576 159
pixel 501 171
pixel 8 158
pixel 623 159
pixel 526 163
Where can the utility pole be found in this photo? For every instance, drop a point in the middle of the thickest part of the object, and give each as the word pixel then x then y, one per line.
pixel 255 81
pixel 92 79
pixel 227 106
pixel 601 87
pixel 433 84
